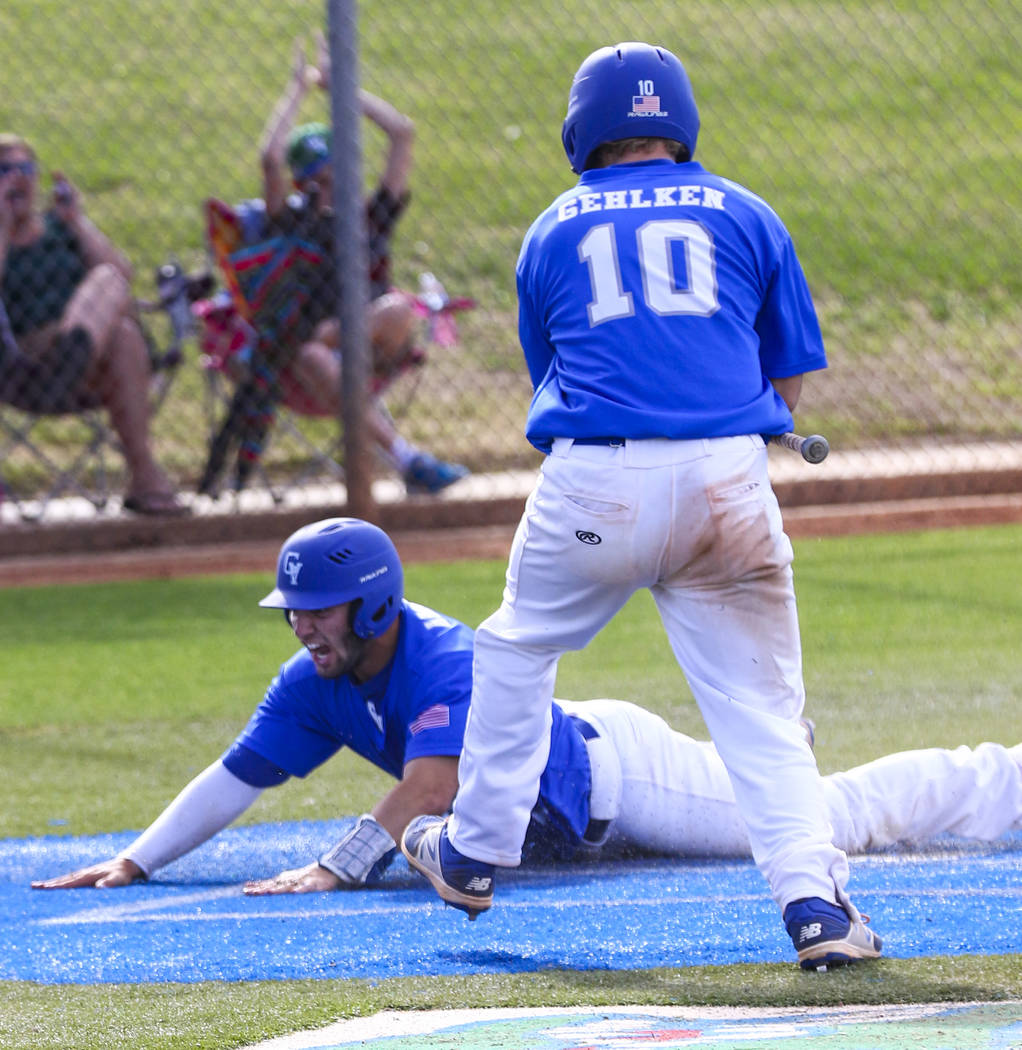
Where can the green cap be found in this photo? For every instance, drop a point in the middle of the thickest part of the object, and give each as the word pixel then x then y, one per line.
pixel 308 149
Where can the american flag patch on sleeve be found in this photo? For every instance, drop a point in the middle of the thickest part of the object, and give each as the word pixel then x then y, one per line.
pixel 436 717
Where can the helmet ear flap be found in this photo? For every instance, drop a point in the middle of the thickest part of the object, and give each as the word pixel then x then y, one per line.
pixel 360 627
pixel 568 138
pixel 368 624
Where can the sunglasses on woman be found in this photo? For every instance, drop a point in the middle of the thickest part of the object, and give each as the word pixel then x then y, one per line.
pixel 23 167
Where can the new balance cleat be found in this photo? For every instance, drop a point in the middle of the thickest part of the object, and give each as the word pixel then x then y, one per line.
pixel 427 475
pixel 463 883
pixel 826 935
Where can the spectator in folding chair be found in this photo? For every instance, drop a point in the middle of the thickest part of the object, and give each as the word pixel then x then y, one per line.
pixel 300 157
pixel 69 338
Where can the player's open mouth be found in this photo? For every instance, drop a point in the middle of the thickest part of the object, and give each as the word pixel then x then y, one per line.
pixel 319 653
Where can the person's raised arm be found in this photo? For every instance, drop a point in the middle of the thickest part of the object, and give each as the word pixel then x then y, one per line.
pixel 96 247
pixel 206 806
pixel 427 785
pixel 400 132
pixel 397 126
pixel 273 147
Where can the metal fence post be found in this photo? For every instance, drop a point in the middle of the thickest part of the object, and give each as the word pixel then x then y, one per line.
pixel 351 250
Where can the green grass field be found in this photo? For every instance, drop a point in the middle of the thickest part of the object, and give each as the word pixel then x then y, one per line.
pixel 849 121
pixel 883 134
pixel 112 696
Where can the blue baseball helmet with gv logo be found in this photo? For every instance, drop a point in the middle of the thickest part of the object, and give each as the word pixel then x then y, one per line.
pixel 340 560
pixel 630 90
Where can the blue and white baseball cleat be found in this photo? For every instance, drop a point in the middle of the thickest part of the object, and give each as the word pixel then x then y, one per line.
pixel 463 883
pixel 828 935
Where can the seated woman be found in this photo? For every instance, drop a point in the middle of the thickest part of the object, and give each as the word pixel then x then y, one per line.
pixel 69 339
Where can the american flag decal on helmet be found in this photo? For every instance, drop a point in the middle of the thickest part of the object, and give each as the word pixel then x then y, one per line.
pixel 436 717
pixel 646 105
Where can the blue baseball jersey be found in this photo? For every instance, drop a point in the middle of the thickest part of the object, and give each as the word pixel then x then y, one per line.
pixel 415 707
pixel 657 300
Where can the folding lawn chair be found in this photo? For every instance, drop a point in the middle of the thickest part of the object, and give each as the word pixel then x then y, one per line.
pixel 251 333
pixel 46 457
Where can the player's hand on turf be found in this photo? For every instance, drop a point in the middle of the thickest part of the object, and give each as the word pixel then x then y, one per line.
pixel 118 872
pixel 310 879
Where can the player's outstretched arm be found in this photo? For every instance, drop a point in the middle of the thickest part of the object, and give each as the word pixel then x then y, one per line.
pixel 119 871
pixel 204 807
pixel 426 786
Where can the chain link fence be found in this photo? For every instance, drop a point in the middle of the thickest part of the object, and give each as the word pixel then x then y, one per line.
pixel 887 136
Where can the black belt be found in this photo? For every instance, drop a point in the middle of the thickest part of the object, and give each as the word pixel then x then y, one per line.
pixel 595 829
pixel 612 442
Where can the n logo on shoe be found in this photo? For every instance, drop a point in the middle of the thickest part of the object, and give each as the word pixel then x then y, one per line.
pixel 809 931
pixel 478 884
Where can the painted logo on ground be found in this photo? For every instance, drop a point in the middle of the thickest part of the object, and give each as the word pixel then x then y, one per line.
pixel 935 1027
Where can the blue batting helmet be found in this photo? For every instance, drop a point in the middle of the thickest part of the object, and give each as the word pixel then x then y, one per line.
pixel 631 90
pixel 340 560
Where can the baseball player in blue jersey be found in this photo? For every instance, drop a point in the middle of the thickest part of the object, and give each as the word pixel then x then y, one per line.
pixel 392 680
pixel 666 324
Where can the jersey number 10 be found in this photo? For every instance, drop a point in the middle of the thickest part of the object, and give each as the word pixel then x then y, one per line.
pixel 663 291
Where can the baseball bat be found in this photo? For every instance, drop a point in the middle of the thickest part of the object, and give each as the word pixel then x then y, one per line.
pixel 813 448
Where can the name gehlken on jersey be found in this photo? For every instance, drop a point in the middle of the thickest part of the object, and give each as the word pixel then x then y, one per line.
pixel 662 197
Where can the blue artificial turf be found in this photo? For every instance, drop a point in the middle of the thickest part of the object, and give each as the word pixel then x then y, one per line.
pixel 192 923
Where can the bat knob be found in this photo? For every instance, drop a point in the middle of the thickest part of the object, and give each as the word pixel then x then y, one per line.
pixel 815 448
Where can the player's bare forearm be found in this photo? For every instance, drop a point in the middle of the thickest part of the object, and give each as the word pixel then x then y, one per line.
pixel 790 389
pixel 428 785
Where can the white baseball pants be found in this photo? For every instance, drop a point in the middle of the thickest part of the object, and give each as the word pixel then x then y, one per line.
pixel 698 524
pixel 667 793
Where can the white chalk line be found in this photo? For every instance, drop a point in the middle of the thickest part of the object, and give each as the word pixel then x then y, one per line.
pixel 150 910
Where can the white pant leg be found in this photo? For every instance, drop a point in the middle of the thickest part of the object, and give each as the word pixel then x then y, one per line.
pixel 730 613
pixel 555 599
pixel 674 793
pixel 913 796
